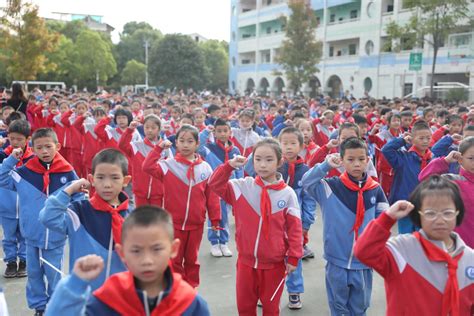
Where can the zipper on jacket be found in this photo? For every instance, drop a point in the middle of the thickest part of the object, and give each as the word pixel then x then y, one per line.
pixel 145 303
pixel 187 203
pixel 257 241
pixel 109 255
pixel 17 206
pixel 47 230
pixel 149 188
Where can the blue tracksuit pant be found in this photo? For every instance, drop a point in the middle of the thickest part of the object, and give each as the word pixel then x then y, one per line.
pixel 13 242
pixel 221 236
pixel 37 291
pixel 348 291
pixel 294 281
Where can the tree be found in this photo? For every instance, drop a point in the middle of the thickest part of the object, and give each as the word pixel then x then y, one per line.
pixel 133 73
pixel 70 29
pixel 177 61
pixel 64 56
pixel 217 62
pixel 300 52
pixel 95 58
pixel 25 40
pixel 432 22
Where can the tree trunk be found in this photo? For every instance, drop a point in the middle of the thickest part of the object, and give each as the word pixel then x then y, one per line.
pixel 433 67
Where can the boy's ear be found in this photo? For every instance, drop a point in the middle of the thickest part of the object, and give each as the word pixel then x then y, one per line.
pixel 119 249
pixel 58 146
pixel 174 248
pixel 126 180
pixel 90 178
pixel 280 163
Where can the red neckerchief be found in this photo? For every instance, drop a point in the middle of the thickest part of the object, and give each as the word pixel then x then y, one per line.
pixel 117 220
pixel 425 158
pixel 309 148
pixel 291 169
pixel 149 143
pixel 58 165
pixel 120 294
pixel 451 291
pixel 201 127
pixel 394 133
pixel 368 185
pixel 27 153
pixel 266 203
pixel 226 150
pixel 119 130
pixel 191 164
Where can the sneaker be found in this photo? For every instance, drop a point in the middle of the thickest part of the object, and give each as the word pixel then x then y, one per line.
pixel 295 302
pixel 39 312
pixel 10 271
pixel 21 273
pixel 307 253
pixel 216 251
pixel 226 251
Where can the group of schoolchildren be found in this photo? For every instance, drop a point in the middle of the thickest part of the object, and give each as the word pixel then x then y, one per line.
pixel 133 189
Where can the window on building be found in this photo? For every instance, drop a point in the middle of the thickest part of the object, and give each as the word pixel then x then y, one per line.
pixel 269 2
pixel 269 30
pixel 332 18
pixel 331 51
pixel 339 53
pixel 246 61
pixel 367 84
pixel 369 48
pixel 352 49
pixel 353 14
pixel 318 20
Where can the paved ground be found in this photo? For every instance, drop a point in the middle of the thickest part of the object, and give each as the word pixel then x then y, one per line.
pixel 218 285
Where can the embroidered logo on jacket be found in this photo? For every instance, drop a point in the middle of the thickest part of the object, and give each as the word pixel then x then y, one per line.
pixel 63 180
pixel 281 203
pixel 470 272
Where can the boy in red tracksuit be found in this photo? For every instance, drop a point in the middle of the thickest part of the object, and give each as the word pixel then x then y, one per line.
pixel 186 196
pixel 323 128
pixel 54 121
pixel 268 227
pixel 147 190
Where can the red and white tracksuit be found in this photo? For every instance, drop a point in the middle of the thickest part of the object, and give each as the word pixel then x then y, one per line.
pixel 187 202
pixel 261 261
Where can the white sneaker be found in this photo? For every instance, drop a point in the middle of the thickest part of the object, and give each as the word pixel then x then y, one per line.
pixel 216 251
pixel 226 251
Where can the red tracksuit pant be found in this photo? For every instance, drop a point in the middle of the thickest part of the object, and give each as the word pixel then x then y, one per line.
pixel 155 201
pixel 254 284
pixel 386 181
pixel 186 262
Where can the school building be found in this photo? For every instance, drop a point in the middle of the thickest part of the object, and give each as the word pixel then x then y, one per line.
pixel 357 57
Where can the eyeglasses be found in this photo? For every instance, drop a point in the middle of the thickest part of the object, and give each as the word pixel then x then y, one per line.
pixel 447 215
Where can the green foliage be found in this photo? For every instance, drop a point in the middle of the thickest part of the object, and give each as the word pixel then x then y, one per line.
pixel 458 94
pixel 177 61
pixel 217 62
pixel 133 73
pixel 69 29
pixel 93 57
pixel 300 52
pixel 25 40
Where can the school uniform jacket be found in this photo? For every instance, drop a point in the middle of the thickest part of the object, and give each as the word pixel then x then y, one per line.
pixel 186 200
pixel 338 206
pixel 68 119
pixel 285 230
pixel 244 140
pixel 321 133
pixel 91 144
pixel 407 167
pixel 32 196
pixel 119 296
pixel 380 140
pixel 444 146
pixel 144 185
pixel 414 285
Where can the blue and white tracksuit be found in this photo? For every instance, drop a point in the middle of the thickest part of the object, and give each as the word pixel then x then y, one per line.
pixel 89 231
pixel 215 156
pixel 40 241
pixel 348 281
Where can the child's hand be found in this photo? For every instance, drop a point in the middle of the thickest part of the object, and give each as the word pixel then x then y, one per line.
pixel 166 144
pixel 87 114
pixel 456 138
pixel 333 143
pixel 77 186
pixel 210 128
pixel 446 127
pixel 133 125
pixel 17 153
pixel 54 111
pixel 288 122
pixel 400 209
pixel 407 138
pixel 334 160
pixel 453 157
pixel 88 267
pixel 375 129
pixel 290 268
pixel 237 162
pixel 2 141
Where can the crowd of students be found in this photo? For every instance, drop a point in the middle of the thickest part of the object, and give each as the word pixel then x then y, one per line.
pixel 133 182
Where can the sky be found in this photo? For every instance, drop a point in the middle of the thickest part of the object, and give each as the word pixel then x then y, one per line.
pixel 209 18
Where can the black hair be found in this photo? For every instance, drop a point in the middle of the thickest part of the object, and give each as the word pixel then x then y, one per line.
pixel 352 143
pixel 359 119
pixel 406 113
pixel 146 216
pixel 294 131
pixel 111 156
pixel 453 118
pixel 468 128
pixel 419 126
pixel 272 105
pixel 177 108
pixel 213 108
pixel 465 144
pixel 462 109
pixel 14 116
pixel 221 122
pixel 436 185
pixel 427 110
pixel 189 117
pixel 391 117
pixel 272 143
pixel 384 111
pixel 98 111
pixel 247 113
pixel 123 112
pixel 21 127
pixel 42 133
pixel 442 113
pixel 153 118
pixel 186 128
pixel 348 125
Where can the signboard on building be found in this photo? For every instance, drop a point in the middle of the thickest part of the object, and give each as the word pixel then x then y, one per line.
pixel 416 60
